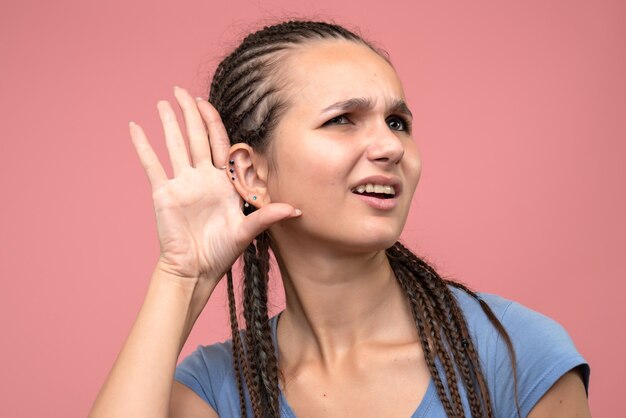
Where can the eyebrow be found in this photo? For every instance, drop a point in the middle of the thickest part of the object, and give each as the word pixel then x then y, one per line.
pixel 357 103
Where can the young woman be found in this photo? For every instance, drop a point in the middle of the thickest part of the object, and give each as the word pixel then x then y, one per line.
pixel 310 157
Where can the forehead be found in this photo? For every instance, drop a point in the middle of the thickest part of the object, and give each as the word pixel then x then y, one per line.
pixel 323 72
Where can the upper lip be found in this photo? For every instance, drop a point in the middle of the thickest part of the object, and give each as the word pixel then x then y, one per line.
pixel 390 181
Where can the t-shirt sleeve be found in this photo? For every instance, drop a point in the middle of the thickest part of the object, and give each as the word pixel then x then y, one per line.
pixel 544 352
pixel 204 371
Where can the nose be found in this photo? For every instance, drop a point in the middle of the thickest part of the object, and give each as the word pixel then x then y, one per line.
pixel 386 148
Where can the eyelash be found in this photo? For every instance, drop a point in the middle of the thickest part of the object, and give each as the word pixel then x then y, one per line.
pixel 405 122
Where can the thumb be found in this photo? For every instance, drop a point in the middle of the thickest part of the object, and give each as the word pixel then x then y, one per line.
pixel 266 216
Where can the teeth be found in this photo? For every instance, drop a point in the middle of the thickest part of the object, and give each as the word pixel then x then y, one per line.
pixel 375 188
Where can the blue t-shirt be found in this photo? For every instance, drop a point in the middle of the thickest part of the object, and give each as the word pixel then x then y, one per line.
pixel 543 348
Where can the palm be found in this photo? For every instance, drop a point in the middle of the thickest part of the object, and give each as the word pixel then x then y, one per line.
pixel 200 225
pixel 195 221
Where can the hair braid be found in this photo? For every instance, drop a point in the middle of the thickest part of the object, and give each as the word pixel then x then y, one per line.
pixel 436 290
pixel 252 108
pixel 465 366
pixel 246 70
pixel 463 353
pixel 269 368
pixel 240 93
pixel 503 333
pixel 451 318
pixel 427 326
pixel 439 295
pixel 238 354
pixel 251 273
pixel 425 271
pixel 258 332
pixel 446 302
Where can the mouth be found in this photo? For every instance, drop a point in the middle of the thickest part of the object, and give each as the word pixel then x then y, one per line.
pixel 378 191
pixel 375 190
pixel 379 187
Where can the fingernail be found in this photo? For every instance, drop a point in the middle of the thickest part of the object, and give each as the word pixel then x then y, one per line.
pixel 131 123
pixel 199 99
pixel 297 212
pixel 176 87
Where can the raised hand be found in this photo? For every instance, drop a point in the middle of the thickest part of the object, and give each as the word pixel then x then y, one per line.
pixel 200 225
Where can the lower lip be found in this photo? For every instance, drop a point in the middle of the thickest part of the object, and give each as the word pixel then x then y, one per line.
pixel 376 203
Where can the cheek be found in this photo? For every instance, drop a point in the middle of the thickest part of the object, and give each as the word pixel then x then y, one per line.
pixel 412 164
pixel 311 174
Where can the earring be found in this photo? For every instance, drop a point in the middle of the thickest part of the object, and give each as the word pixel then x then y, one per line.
pixel 231 162
pixel 248 204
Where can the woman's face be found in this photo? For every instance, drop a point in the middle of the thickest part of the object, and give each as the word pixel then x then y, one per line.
pixel 346 126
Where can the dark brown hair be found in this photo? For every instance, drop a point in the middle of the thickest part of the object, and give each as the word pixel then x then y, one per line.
pixel 248 93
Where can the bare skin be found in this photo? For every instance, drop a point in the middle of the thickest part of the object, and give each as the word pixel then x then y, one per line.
pixel 348 344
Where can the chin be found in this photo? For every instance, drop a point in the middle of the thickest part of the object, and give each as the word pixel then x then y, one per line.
pixel 351 236
pixel 375 239
pixel 382 231
pixel 369 246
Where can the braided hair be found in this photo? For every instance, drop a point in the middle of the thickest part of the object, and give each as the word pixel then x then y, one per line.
pixel 247 92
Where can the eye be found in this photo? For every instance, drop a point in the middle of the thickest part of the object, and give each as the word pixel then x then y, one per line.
pixel 337 120
pixel 398 123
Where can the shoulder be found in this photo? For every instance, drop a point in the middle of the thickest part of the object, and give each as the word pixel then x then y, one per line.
pixel 206 370
pixel 521 322
pixel 474 313
pixel 209 372
pixel 543 349
pixel 217 356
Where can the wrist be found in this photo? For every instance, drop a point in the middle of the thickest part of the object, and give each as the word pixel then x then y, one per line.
pixel 188 293
pixel 163 275
pixel 166 269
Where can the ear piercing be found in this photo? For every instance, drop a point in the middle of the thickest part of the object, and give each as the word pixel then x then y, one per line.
pixel 231 162
pixel 248 204
pixel 231 170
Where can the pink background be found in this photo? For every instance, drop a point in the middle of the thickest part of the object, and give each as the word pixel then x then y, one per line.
pixel 520 118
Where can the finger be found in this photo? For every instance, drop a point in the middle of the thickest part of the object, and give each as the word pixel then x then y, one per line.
pixel 218 138
pixel 196 132
pixel 173 137
pixel 262 218
pixel 149 160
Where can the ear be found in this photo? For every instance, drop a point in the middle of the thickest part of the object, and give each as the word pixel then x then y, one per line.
pixel 248 173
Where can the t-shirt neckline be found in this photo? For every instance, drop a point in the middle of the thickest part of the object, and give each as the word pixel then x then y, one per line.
pixel 422 408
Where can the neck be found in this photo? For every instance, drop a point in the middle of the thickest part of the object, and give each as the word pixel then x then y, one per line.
pixel 335 303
